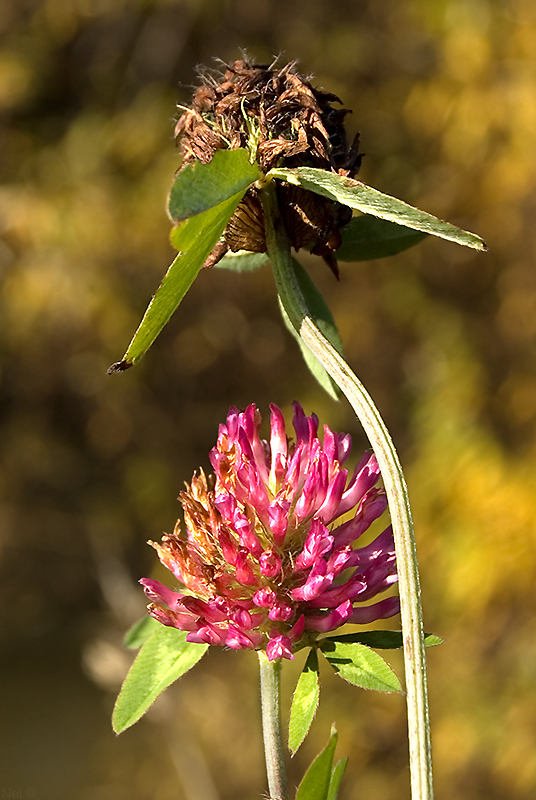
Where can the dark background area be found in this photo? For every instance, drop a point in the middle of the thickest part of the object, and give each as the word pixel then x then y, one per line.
pixel 444 95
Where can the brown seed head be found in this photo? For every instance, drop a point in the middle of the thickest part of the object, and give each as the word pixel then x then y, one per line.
pixel 283 120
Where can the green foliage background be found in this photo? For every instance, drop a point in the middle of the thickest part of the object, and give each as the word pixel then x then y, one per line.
pixel 444 95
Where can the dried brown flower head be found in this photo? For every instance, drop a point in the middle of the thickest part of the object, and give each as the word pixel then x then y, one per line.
pixel 283 121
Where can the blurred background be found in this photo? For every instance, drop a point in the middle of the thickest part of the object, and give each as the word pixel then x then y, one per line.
pixel 444 95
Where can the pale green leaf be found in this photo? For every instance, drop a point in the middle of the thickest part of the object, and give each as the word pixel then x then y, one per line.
pixel 360 665
pixel 243 261
pixel 320 313
pixel 194 239
pixel 370 201
pixel 165 656
pixel 140 632
pixel 199 187
pixel 367 237
pixel 304 703
pixel 336 778
pixel 315 784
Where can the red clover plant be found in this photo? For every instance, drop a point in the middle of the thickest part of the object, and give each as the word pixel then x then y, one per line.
pixel 266 563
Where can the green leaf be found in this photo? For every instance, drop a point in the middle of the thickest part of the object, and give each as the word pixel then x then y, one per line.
pixel 195 239
pixel 243 261
pixel 199 187
pixel 368 200
pixel 165 656
pixel 140 632
pixel 336 778
pixel 367 237
pixel 360 665
pixel 304 703
pixel 316 782
pixel 319 311
pixel 381 640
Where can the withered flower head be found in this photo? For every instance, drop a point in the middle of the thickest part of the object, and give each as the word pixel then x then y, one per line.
pixel 284 121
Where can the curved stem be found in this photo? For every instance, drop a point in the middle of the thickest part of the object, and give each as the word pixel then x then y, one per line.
pixel 271 726
pixel 295 305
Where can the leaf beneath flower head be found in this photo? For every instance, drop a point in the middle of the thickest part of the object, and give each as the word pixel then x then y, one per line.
pixel 199 187
pixel 367 237
pixel 382 640
pixel 321 781
pixel 165 656
pixel 336 778
pixel 304 703
pixel 194 239
pixel 364 198
pixel 140 632
pixel 360 665
pixel 322 316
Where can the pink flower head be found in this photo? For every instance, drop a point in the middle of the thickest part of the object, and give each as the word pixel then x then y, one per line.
pixel 266 560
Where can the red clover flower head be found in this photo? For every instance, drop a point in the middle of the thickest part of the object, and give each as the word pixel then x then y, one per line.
pixel 266 562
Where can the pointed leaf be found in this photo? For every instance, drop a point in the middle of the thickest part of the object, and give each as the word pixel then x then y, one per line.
pixel 165 656
pixel 195 239
pixel 315 784
pixel 199 187
pixel 243 261
pixel 336 778
pixel 367 237
pixel 370 201
pixel 381 640
pixel 321 314
pixel 361 666
pixel 140 632
pixel 304 703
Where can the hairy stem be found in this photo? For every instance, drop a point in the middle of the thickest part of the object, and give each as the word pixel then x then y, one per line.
pixel 271 726
pixel 295 305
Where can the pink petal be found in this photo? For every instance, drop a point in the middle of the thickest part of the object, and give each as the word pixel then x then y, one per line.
pixel 362 615
pixel 328 622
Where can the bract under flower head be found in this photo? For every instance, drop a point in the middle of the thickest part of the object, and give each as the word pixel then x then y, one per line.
pixel 266 560
pixel 283 120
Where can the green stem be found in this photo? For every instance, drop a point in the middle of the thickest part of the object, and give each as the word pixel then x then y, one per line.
pixel 295 305
pixel 271 726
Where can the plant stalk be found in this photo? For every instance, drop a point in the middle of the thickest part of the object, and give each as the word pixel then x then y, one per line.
pixel 270 672
pixel 278 247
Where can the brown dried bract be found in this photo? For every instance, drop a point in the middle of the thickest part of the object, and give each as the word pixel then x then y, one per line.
pixel 289 123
